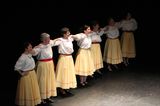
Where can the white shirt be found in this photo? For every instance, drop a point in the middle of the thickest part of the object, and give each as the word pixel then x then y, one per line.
pixel 25 62
pixel 83 41
pixel 44 51
pixel 65 46
pixel 112 32
pixel 129 25
pixel 96 36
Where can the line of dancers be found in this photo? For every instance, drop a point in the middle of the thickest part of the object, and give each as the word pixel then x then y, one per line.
pixel 41 80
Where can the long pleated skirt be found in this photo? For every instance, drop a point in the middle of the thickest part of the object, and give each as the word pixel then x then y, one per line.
pixel 28 93
pixel 112 51
pixel 84 64
pixel 65 72
pixel 97 56
pixel 128 45
pixel 46 79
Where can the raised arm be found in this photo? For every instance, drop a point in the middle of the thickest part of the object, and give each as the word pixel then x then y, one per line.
pixel 77 36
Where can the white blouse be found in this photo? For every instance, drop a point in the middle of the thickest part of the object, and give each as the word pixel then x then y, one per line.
pixel 83 41
pixel 96 36
pixel 129 25
pixel 25 62
pixel 65 46
pixel 112 32
pixel 44 51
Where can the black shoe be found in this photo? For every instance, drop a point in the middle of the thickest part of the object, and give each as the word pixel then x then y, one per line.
pixel 81 85
pixel 99 72
pixel 86 84
pixel 64 95
pixel 52 97
pixel 43 102
pixel 49 100
pixel 69 93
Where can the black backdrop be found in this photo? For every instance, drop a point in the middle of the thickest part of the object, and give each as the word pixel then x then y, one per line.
pixel 24 21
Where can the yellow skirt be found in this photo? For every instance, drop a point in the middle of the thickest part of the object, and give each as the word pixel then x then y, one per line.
pixel 65 72
pixel 112 51
pixel 84 63
pixel 128 45
pixel 97 56
pixel 46 79
pixel 28 93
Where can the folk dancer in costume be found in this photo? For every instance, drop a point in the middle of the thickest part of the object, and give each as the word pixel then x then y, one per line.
pixel 96 47
pixel 112 51
pixel 65 69
pixel 84 64
pixel 128 25
pixel 45 68
pixel 28 93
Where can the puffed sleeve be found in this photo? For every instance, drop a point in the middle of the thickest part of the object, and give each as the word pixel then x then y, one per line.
pixel 36 50
pixel 118 25
pixel 55 42
pixel 101 32
pixel 78 36
pixel 135 24
pixel 19 64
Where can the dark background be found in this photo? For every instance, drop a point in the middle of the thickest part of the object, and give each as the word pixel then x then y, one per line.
pixel 25 21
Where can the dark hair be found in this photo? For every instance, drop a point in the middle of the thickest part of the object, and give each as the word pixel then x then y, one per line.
pixel 26 44
pixel 94 23
pixel 84 27
pixel 64 30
